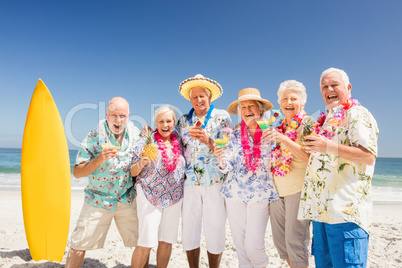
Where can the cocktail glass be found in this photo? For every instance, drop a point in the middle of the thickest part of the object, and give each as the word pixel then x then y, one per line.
pixel 221 143
pixel 264 124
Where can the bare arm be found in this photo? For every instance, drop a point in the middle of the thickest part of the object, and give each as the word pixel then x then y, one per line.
pixel 271 135
pixel 295 148
pixel 359 155
pixel 137 167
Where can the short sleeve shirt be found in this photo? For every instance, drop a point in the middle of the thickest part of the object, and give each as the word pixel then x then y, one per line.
pixel 292 182
pixel 201 170
pixel 111 182
pixel 161 187
pixel 337 190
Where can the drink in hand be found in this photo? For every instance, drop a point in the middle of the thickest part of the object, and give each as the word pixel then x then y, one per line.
pixel 221 143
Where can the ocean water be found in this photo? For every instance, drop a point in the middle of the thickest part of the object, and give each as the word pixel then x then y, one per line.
pixel 387 180
pixel 10 169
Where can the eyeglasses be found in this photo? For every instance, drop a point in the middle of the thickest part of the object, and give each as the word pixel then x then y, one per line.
pixel 121 117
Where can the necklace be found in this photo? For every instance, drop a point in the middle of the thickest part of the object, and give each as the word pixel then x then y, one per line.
pixel 251 165
pixel 190 116
pixel 281 159
pixel 170 165
pixel 336 120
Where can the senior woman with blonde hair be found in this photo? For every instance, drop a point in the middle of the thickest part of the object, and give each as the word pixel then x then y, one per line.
pixel 249 188
pixel 288 165
pixel 159 190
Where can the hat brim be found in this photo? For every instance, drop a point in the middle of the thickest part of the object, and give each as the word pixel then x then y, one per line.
pixel 232 108
pixel 212 86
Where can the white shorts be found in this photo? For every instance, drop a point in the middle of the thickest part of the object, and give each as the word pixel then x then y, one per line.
pixel 156 224
pixel 202 205
pixel 93 225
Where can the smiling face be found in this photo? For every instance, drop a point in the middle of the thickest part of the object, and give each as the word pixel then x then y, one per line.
pixel 333 89
pixel 165 124
pixel 290 103
pixel 249 111
pixel 200 100
pixel 117 114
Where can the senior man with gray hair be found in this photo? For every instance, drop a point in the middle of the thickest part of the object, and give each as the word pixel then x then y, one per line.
pixel 336 193
pixel 202 204
pixel 105 158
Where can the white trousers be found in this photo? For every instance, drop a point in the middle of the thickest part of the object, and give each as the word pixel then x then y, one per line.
pixel 248 223
pixel 204 208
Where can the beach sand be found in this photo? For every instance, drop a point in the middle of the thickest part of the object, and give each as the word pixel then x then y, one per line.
pixel 385 241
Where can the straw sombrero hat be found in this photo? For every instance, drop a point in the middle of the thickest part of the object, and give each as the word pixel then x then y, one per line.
pixel 200 81
pixel 249 94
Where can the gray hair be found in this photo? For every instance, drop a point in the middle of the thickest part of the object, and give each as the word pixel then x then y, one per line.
pixel 164 109
pixel 206 90
pixel 260 106
pixel 294 85
pixel 343 74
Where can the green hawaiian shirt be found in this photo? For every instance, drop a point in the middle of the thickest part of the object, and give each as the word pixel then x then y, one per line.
pixel 111 182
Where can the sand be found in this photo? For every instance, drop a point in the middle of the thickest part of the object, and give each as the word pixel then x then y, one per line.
pixel 385 241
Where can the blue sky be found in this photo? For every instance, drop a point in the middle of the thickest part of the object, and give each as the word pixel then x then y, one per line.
pixel 89 51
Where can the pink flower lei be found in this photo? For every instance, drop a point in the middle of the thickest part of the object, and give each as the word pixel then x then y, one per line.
pixel 170 165
pixel 251 165
pixel 281 159
pixel 335 122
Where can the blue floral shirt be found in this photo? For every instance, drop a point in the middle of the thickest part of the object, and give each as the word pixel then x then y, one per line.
pixel 201 170
pixel 111 182
pixel 241 184
pixel 161 187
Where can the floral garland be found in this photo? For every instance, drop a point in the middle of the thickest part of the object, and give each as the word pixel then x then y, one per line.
pixel 208 116
pixel 281 159
pixel 337 119
pixel 250 165
pixel 170 165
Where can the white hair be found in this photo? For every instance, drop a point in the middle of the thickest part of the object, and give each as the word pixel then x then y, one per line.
pixel 294 85
pixel 343 74
pixel 206 90
pixel 164 109
pixel 260 106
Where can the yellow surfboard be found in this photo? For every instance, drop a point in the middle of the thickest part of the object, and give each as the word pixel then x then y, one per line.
pixel 45 178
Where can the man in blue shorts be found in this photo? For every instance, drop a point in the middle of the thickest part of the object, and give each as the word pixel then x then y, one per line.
pixel 336 193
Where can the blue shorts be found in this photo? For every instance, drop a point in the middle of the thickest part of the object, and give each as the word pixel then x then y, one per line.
pixel 339 245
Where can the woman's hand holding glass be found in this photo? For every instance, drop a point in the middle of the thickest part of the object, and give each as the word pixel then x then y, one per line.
pixel 218 152
pixel 271 135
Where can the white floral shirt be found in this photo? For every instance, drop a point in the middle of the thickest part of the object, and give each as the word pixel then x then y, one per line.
pixel 201 170
pixel 241 184
pixel 337 190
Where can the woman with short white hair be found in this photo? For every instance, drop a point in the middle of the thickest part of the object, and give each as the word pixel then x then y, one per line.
pixel 288 165
pixel 159 190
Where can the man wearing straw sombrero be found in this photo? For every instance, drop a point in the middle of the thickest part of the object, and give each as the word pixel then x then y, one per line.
pixel 202 205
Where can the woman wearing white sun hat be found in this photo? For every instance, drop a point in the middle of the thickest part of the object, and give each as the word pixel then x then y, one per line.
pixel 202 205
